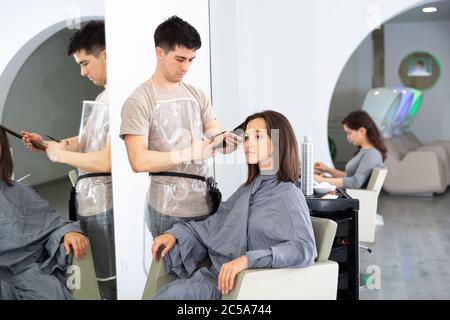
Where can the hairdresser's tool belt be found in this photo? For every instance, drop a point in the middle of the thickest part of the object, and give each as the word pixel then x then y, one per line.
pixel 214 192
pixel 73 192
pixel 177 174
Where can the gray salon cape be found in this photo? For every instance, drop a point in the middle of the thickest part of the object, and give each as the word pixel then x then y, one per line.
pixel 267 220
pixel 32 255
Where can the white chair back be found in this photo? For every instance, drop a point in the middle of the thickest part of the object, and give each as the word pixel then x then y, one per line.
pixel 377 179
pixel 73 176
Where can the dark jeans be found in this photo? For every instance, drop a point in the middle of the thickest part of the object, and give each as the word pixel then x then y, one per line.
pixel 99 229
pixel 159 223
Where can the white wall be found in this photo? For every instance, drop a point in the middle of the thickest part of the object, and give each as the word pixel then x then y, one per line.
pixel 434 37
pixel 131 60
pixel 24 25
pixel 226 93
pixel 349 94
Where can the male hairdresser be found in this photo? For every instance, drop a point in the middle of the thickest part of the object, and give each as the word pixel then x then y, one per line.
pixel 163 124
pixel 90 153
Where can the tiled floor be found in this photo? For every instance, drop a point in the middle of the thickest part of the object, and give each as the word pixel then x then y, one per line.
pixel 412 249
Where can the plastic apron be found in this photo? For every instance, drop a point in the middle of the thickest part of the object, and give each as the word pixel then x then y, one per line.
pixel 94 199
pixel 175 122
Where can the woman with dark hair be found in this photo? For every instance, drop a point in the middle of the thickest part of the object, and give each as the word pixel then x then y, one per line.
pixel 362 132
pixel 264 224
pixel 6 163
pixel 35 241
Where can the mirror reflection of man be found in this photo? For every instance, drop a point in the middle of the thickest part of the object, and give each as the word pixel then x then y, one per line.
pixel 90 152
pixel 163 123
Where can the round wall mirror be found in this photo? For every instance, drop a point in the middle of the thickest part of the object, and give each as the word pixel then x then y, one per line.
pixel 420 70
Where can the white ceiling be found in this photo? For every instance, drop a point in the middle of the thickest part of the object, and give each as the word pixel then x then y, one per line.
pixel 416 14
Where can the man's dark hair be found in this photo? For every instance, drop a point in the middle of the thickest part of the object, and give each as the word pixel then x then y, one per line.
pixel 91 38
pixel 176 32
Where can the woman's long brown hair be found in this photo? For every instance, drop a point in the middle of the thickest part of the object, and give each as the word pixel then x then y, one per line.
pixel 287 148
pixel 6 163
pixel 361 119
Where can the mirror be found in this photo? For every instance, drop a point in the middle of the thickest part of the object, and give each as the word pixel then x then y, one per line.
pixel 420 70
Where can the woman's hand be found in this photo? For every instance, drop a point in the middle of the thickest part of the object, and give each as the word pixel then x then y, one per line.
pixel 78 242
pixel 321 167
pixel 319 178
pixel 27 137
pixel 167 240
pixel 54 150
pixel 228 272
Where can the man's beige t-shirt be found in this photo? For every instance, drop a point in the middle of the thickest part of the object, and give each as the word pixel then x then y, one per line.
pixel 169 131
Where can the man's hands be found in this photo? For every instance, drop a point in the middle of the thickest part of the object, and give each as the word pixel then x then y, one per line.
pixel 201 149
pixel 54 151
pixel 232 142
pixel 205 149
pixel 76 241
pixel 27 137
pixel 228 273
pixel 166 240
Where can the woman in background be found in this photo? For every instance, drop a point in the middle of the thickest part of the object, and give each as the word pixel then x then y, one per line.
pixel 362 132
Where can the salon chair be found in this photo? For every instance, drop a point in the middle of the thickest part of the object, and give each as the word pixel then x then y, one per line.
pixel 368 202
pixel 81 278
pixel 73 176
pixel 381 104
pixel 318 281
pixel 441 147
pixel 420 172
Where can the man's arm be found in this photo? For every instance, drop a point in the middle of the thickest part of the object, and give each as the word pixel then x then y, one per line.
pixel 211 128
pixel 232 140
pixel 69 144
pixel 144 160
pixel 95 162
pixel 72 144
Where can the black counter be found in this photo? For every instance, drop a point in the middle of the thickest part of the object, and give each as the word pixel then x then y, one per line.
pixel 345 250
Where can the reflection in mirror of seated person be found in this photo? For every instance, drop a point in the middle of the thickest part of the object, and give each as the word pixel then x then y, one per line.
pixel 35 241
pixel 264 224
pixel 362 132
